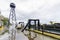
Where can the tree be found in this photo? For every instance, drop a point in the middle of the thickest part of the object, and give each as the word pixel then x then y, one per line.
pixel 5 21
pixel 51 22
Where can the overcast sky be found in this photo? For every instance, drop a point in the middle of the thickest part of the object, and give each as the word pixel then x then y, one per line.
pixel 45 10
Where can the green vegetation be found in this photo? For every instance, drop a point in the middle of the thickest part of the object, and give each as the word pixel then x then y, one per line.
pixel 5 21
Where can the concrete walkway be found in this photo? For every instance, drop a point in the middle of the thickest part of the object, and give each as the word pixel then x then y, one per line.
pixel 19 36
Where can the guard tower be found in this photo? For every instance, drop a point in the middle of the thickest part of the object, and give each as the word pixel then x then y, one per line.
pixel 12 16
pixel 12 21
pixel 33 23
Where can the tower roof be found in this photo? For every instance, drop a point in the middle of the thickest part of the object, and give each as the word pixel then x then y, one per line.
pixel 12 5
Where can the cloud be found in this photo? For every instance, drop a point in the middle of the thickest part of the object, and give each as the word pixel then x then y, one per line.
pixel 45 14
pixel 45 10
